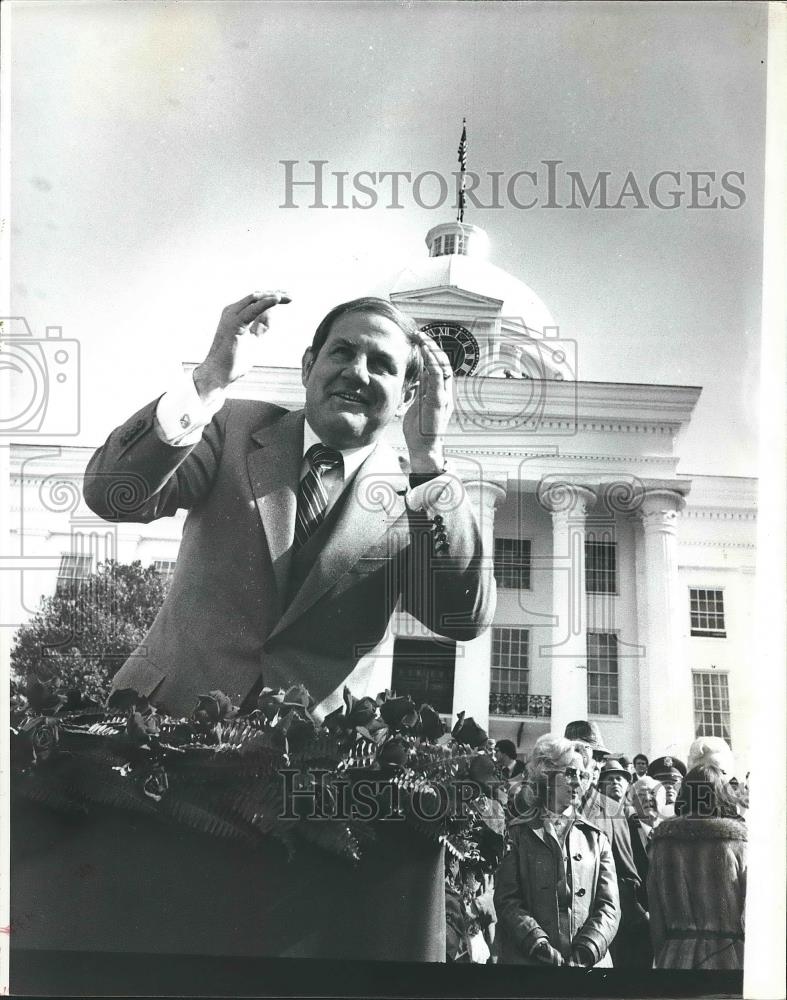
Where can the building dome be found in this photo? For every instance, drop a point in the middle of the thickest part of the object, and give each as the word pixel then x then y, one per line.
pixel 457 260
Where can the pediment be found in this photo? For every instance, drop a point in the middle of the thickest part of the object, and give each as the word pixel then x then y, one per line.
pixel 446 295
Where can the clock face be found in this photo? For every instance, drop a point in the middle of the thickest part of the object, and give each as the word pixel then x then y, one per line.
pixel 458 343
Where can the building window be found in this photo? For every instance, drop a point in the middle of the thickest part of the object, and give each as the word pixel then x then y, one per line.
pixel 510 660
pixel 707 613
pixel 449 244
pixel 601 567
pixel 711 704
pixel 512 563
pixel 165 568
pixel 73 569
pixel 437 246
pixel 603 673
pixel 424 669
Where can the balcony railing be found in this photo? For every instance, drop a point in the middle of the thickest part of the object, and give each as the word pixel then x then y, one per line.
pixel 537 706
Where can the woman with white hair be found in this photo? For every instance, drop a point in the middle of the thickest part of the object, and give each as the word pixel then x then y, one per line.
pixel 556 892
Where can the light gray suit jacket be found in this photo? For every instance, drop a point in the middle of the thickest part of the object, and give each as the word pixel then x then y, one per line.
pixel 241 605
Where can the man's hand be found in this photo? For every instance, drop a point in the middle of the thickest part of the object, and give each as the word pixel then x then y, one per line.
pixel 234 348
pixel 426 422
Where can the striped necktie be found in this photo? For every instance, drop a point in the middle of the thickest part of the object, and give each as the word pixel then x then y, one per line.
pixel 312 498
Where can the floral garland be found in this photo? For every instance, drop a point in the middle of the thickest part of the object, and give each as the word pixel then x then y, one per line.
pixel 272 771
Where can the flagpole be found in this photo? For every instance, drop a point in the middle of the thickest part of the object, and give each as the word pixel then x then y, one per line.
pixel 462 157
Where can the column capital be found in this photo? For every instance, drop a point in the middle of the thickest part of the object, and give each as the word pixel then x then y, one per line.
pixel 491 494
pixel 659 509
pixel 563 499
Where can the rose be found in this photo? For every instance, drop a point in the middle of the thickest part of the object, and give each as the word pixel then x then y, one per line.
pixel 269 702
pixel 44 739
pixel 127 700
pixel 294 730
pixel 297 696
pixel 212 708
pixel 354 712
pixel 76 701
pixel 140 728
pixel 41 699
pixel 394 753
pixel 467 731
pixel 399 713
pixel 430 724
pixel 482 771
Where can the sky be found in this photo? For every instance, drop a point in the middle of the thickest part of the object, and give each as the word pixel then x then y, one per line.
pixel 147 184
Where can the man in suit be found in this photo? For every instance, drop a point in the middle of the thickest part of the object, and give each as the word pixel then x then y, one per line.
pixel 607 815
pixel 649 800
pixel 302 534
pixel 505 756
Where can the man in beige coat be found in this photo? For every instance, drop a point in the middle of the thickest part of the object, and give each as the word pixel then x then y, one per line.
pixel 249 603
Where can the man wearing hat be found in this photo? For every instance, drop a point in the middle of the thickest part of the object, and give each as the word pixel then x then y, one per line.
pixel 670 772
pixel 607 815
pixel 505 755
pixel 589 732
pixel 613 781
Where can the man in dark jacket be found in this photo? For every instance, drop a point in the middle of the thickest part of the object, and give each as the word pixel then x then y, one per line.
pixel 608 816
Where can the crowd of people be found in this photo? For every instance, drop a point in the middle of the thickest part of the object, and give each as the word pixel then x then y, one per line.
pixel 608 862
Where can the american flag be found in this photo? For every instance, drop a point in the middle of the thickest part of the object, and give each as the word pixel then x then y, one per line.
pixel 462 157
pixel 462 151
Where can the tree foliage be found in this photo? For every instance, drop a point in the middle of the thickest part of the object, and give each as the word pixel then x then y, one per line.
pixel 80 637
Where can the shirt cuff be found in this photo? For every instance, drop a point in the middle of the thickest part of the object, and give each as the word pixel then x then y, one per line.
pixel 181 416
pixel 443 493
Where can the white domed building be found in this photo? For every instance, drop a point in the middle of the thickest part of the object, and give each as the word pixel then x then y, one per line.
pixel 625 585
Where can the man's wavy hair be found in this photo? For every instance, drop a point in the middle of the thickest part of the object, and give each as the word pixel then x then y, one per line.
pixel 375 307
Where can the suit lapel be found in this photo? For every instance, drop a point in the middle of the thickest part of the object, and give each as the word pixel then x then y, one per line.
pixel 274 470
pixel 373 503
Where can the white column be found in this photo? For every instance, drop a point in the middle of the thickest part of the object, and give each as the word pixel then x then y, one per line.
pixel 666 705
pixel 473 659
pixel 567 647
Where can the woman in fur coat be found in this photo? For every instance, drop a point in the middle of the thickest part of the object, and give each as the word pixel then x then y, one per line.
pixel 697 878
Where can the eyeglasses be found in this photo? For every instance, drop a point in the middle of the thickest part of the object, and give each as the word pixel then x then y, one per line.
pixel 573 774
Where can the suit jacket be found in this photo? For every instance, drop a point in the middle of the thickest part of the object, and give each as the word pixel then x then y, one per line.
pixel 526 893
pixel 608 816
pixel 241 605
pixel 641 857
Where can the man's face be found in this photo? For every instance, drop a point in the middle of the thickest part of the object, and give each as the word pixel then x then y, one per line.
pixel 355 386
pixel 671 789
pixel 649 801
pixel 640 767
pixel 614 786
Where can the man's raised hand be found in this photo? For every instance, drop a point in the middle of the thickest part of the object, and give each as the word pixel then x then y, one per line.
pixel 426 422
pixel 234 350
